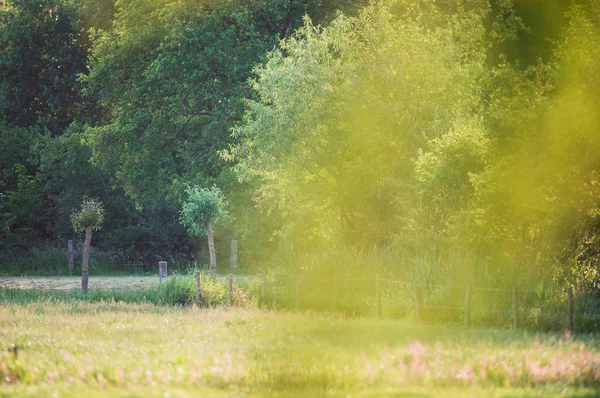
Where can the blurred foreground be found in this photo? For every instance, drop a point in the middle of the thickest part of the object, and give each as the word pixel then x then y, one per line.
pixel 116 349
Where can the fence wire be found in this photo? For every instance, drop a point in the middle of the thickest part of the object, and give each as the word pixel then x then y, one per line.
pixel 377 294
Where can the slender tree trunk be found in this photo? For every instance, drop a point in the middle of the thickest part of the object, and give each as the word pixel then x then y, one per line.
pixel 86 258
pixel 211 250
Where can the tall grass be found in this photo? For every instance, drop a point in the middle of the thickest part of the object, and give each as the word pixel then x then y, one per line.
pixel 346 281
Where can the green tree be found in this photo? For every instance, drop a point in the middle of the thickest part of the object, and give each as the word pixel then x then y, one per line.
pixel 42 50
pixel 41 53
pixel 172 76
pixel 89 216
pixel 23 216
pixel 343 111
pixel 199 211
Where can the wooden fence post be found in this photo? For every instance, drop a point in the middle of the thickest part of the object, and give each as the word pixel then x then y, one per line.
pixel 418 303
pixel 264 289
pixel 162 271
pixel 298 292
pixel 233 260
pixel 467 307
pixel 378 295
pixel 230 288
pixel 71 263
pixel 515 299
pixel 570 303
pixel 198 290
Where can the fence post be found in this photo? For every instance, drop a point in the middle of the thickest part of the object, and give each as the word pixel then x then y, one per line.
pixel 515 299
pixel 198 290
pixel 70 256
pixel 71 263
pixel 233 260
pixel 162 271
pixel 264 289
pixel 570 303
pixel 418 302
pixel 230 288
pixel 378 295
pixel 297 292
pixel 467 307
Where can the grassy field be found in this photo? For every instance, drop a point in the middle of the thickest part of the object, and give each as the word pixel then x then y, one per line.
pixel 73 349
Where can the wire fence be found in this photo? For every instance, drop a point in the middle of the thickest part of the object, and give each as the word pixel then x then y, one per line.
pixel 430 302
pixel 63 262
pixel 367 295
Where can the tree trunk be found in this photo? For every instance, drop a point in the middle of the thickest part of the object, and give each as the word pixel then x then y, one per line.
pixel 211 250
pixel 86 258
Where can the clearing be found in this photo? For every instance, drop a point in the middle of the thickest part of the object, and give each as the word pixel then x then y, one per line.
pixel 95 282
pixel 74 282
pixel 78 349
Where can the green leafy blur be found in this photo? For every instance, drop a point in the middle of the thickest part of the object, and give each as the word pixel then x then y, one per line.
pixel 448 141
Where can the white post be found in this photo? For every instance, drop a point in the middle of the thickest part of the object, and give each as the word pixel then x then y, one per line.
pixel 211 250
pixel 234 254
pixel 162 271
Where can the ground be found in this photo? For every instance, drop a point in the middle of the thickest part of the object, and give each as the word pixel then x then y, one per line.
pixel 74 282
pixel 74 349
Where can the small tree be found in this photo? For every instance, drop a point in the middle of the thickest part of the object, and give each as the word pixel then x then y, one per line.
pixel 202 208
pixel 88 217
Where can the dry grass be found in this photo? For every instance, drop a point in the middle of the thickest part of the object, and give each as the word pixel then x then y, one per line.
pixel 74 282
pixel 116 349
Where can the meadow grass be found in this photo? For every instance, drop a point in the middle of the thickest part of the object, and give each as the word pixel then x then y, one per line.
pixel 108 348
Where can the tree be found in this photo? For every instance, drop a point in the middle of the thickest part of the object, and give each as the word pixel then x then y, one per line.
pixel 41 54
pixel 201 209
pixel 42 51
pixel 23 215
pixel 88 217
pixel 342 112
pixel 173 77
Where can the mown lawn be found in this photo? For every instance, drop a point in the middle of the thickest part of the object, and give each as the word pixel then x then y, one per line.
pixel 112 349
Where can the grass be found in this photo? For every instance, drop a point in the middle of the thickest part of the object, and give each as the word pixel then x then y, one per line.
pixel 176 291
pixel 109 348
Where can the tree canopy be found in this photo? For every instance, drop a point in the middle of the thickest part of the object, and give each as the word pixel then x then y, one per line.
pixel 89 214
pixel 202 205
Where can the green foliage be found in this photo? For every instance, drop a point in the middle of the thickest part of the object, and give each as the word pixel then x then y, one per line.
pixel 90 213
pixel 23 216
pixel 461 136
pixel 336 158
pixel 65 175
pixel 173 77
pixel 213 292
pixel 41 53
pixel 405 125
pixel 22 212
pixel 176 291
pixel 201 206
